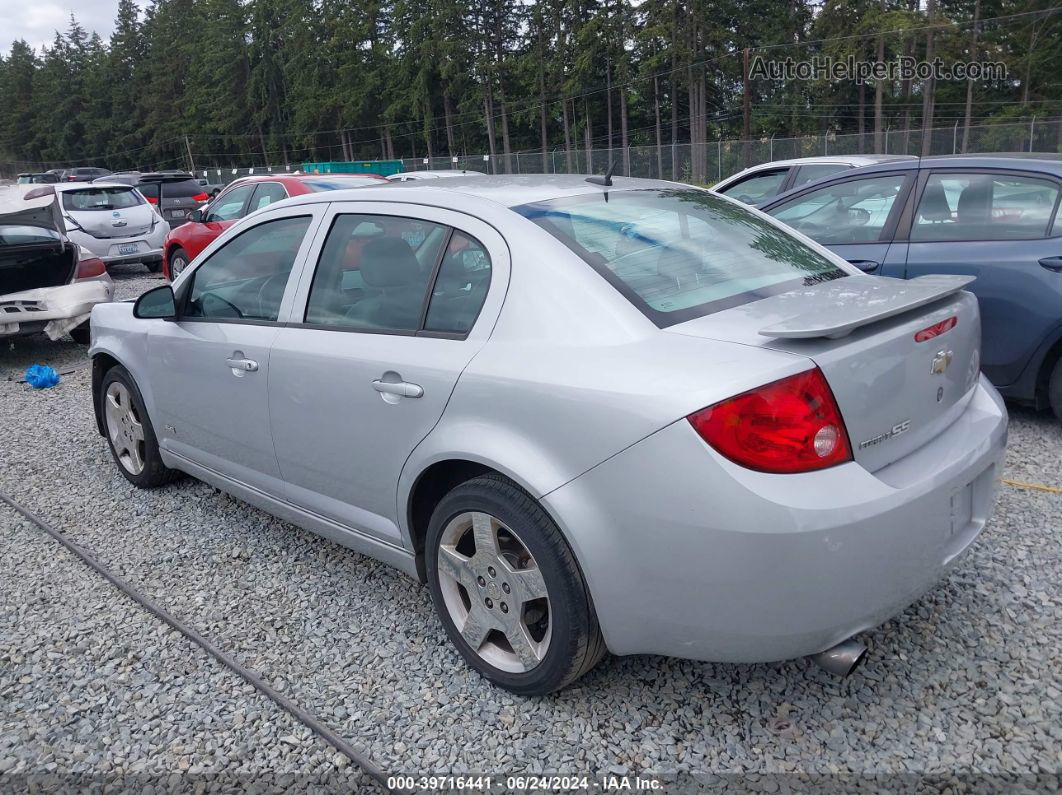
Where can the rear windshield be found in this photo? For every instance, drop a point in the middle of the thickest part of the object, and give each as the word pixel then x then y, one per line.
pixel 100 199
pixel 680 254
pixel 181 189
pixel 12 235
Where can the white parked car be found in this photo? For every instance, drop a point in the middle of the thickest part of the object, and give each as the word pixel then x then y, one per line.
pixel 759 183
pixel 113 221
pixel 47 282
pixel 410 176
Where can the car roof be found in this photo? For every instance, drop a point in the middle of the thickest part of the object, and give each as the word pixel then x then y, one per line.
pixel 506 190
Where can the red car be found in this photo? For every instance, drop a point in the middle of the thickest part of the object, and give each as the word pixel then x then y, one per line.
pixel 244 196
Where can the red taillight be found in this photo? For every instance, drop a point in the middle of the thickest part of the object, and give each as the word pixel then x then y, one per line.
pixel 201 197
pixel 792 425
pixel 936 329
pixel 90 267
pixel 152 200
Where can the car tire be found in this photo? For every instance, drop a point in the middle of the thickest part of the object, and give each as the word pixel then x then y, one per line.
pixel 130 436
pixel 178 262
pixel 153 266
pixel 1054 389
pixel 557 635
pixel 82 334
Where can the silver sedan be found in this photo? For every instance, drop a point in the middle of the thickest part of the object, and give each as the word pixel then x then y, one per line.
pixel 591 414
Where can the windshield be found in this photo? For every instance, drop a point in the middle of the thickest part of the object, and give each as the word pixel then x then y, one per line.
pixel 680 254
pixel 101 199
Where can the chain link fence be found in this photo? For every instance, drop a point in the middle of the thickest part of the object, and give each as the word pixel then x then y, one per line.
pixel 705 163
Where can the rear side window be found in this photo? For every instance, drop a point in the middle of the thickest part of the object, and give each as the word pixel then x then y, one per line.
pixel 984 207
pixel 245 278
pixel 806 174
pixel 757 187
pixel 680 254
pixel 265 194
pixel 100 199
pixel 374 273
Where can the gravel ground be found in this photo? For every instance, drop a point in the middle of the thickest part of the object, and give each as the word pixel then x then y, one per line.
pixel 965 682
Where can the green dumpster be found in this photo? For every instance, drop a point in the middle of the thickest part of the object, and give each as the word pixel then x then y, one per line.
pixel 381 167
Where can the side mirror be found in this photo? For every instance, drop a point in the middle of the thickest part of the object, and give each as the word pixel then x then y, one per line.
pixel 195 215
pixel 158 304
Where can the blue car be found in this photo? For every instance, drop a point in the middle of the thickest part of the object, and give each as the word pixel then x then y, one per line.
pixel 993 217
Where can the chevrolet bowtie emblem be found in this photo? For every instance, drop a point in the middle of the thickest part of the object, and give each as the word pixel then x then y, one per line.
pixel 941 362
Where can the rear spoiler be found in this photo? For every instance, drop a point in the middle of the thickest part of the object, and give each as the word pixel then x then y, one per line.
pixel 834 309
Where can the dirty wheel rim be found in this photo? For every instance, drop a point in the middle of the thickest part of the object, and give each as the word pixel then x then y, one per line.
pixel 494 592
pixel 177 264
pixel 124 428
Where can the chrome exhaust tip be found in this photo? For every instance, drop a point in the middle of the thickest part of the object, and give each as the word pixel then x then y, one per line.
pixel 842 659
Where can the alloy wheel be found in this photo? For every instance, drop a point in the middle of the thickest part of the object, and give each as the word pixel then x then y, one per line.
pixel 494 592
pixel 124 428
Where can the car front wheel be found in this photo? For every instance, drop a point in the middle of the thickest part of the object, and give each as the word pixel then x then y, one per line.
pixel 508 590
pixel 129 432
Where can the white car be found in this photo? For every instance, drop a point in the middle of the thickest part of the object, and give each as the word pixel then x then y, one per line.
pixel 47 282
pixel 113 221
pixel 409 176
pixel 759 183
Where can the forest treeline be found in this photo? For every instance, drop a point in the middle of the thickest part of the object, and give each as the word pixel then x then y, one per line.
pixel 273 81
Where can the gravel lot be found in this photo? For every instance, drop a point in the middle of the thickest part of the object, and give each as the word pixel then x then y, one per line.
pixel 966 682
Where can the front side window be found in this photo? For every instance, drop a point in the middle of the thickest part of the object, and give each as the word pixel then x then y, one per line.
pixel 245 278
pixel 758 187
pixel 229 205
pixel 680 254
pixel 100 199
pixel 984 207
pixel 854 211
pixel 374 272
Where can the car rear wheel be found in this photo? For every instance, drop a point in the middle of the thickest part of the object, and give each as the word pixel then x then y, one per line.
pixel 178 262
pixel 508 590
pixel 129 432
pixel 1054 389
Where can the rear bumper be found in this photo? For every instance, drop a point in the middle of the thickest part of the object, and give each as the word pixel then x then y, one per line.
pixel 147 247
pixel 54 310
pixel 687 554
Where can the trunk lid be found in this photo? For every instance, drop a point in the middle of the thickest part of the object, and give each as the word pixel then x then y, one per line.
pixel 901 357
pixel 33 250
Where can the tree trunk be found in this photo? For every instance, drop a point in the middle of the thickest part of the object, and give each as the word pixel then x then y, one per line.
pixel 929 87
pixel 542 102
pixel 659 142
pixel 589 140
pixel 879 91
pixel 567 137
pixel 506 148
pixel 861 91
pixel 608 101
pixel 970 83
pixel 623 132
pixel 907 86
pixel 448 109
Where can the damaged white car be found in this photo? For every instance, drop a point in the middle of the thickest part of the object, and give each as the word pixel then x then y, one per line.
pixel 47 282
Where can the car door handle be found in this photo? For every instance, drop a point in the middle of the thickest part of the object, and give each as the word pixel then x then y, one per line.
pixel 247 365
pixel 402 388
pixel 1052 263
pixel 865 265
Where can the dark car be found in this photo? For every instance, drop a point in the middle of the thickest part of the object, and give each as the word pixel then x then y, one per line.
pixel 175 193
pixel 35 178
pixel 990 216
pixel 84 174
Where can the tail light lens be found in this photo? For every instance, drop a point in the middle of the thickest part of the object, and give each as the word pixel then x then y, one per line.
pixel 201 197
pixel 787 426
pixel 89 267
pixel 152 200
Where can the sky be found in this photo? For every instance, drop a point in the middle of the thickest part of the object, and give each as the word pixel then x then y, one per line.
pixel 37 20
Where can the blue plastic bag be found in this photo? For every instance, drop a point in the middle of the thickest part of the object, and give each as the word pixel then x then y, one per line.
pixel 40 377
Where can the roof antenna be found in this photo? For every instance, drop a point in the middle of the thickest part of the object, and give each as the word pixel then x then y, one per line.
pixel 605 180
